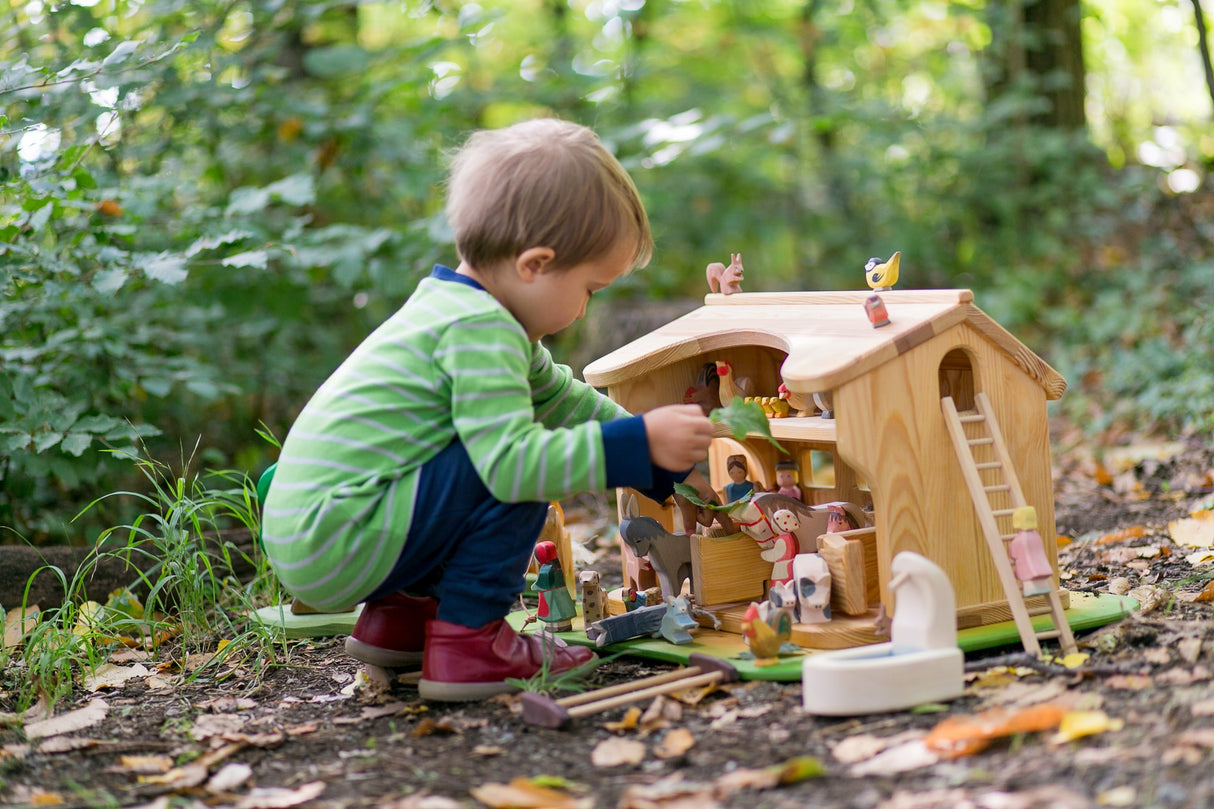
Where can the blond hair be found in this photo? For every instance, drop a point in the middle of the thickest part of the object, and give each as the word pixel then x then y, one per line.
pixel 542 183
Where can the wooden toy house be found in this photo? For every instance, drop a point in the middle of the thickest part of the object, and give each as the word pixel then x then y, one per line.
pixel 887 448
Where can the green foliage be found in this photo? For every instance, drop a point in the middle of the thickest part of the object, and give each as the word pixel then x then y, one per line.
pixel 186 599
pixel 205 206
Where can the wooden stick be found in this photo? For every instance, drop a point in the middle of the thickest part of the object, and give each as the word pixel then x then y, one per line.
pixel 586 709
pixel 547 712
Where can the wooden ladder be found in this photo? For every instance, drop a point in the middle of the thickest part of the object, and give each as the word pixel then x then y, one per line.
pixel 996 493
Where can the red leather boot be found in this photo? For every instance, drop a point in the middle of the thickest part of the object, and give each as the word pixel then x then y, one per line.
pixel 391 632
pixel 463 663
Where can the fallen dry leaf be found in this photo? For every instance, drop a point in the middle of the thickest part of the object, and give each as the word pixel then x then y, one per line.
pixel 145 765
pixel 229 778
pixel 276 798
pixel 69 722
pixel 660 714
pixel 1129 682
pixel 429 726
pixel 628 722
pixel 523 793
pixel 1077 724
pixel 1195 531
pixel 67 744
pixel 616 751
pixel 671 792
pixel 963 735
pixel 793 771
pixel 858 748
pixel 1133 532
pixel 17 623
pixel 675 743
pixel 209 725
pixel 108 675
pixel 912 755
pixel 487 750
pixel 1207 592
pixel 227 704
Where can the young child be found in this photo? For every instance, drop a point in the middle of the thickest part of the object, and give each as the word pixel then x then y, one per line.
pixel 418 476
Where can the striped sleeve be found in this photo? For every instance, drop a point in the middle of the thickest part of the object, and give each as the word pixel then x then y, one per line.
pixel 560 400
pixel 487 362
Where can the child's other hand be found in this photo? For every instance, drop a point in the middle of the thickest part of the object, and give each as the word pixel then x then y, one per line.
pixel 678 435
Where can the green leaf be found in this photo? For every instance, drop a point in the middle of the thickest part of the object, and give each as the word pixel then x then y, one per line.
pixel 298 189
pixel 108 282
pixel 76 443
pixel 249 258
pixel 44 441
pixel 40 217
pixel 689 492
pixel 744 418
pixel 167 268
pixel 120 53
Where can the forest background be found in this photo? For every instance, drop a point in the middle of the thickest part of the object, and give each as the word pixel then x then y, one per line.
pixel 205 205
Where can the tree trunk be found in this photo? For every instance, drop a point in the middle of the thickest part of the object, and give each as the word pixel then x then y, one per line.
pixel 1203 45
pixel 1037 44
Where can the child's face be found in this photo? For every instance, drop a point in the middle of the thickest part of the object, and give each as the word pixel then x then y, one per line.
pixel 545 301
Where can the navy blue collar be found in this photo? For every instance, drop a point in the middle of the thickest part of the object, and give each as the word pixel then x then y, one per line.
pixel 447 274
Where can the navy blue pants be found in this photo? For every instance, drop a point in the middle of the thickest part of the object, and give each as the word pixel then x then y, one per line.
pixel 464 548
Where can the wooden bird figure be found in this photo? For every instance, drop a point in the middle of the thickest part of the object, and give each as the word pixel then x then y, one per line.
pixel 882 274
pixel 706 392
pixel 731 387
pixel 765 631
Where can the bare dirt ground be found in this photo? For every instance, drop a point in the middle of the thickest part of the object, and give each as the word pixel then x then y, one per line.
pixel 312 733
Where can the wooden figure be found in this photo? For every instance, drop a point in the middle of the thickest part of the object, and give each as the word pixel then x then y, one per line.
pixel 670 554
pixel 787 473
pixel 738 486
pixel 767 627
pixel 822 402
pixel 841 517
pixel 732 387
pixel 756 519
pixel 706 392
pixel 1028 554
pixel 594 598
pixel 672 620
pixel 882 275
pixel 726 280
pixel 556 607
pixel 783 547
pixel 874 309
pixel 921 662
pixel 677 623
pixel 889 440
pixel 811 576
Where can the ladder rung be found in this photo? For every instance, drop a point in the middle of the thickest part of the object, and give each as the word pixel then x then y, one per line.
pixel 978 442
pixel 1007 537
pixel 1049 634
pixel 1035 611
pixel 988 465
pixel 1002 512
pixel 1002 487
pixel 972 418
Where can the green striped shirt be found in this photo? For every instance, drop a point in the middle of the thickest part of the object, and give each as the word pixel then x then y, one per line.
pixel 452 363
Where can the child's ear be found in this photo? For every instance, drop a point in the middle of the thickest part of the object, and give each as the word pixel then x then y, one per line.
pixel 533 261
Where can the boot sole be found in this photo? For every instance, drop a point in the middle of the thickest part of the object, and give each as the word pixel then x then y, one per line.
pixel 379 656
pixel 438 691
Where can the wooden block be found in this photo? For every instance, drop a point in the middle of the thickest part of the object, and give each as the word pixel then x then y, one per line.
pixel 848 579
pixel 728 569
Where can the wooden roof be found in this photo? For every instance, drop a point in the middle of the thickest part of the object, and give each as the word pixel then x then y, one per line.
pixel 826 335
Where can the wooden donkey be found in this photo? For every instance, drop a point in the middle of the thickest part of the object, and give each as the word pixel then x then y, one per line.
pixel 669 554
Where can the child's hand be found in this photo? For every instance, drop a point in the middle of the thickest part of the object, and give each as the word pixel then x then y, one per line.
pixel 678 435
